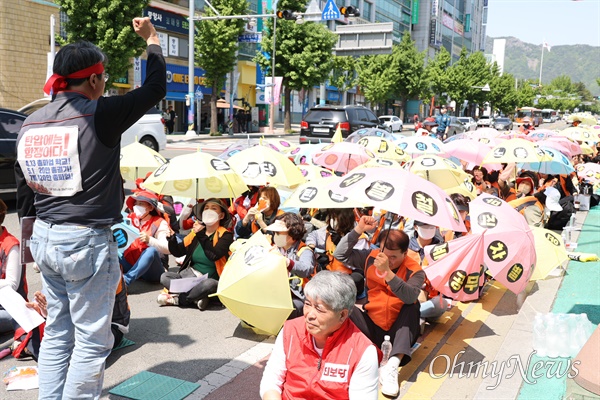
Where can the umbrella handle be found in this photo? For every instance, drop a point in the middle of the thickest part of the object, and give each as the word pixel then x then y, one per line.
pixel 291 278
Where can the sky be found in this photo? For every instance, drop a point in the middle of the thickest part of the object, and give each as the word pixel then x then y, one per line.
pixel 558 22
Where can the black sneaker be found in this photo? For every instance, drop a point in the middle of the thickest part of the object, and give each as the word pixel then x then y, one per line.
pixel 203 303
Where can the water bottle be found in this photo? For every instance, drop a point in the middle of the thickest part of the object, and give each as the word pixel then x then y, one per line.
pixel 386 349
pixel 539 335
pixel 562 332
pixel 552 338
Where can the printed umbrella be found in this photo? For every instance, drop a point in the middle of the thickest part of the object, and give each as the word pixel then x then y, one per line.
pixel 466 188
pixel 578 133
pixel 378 163
pixel 509 246
pixel 455 268
pixel 541 134
pixel 196 175
pixel 589 171
pixel 571 144
pixel 515 151
pixel 280 145
pixel 485 133
pixel 318 194
pixel 303 153
pixel 383 148
pixel 515 135
pixel 557 145
pixel 254 285
pixel 467 150
pixel 585 119
pixel 399 191
pixel 312 172
pixel 261 165
pixel 420 145
pixel 550 250
pixel 458 136
pixel 342 157
pixel 440 171
pixel 558 164
pixel 137 160
pixel 586 148
pixel 355 136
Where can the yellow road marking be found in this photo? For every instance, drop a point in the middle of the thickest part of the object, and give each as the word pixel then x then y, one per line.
pixel 425 385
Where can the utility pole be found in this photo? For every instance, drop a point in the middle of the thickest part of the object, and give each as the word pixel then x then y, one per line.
pixel 190 97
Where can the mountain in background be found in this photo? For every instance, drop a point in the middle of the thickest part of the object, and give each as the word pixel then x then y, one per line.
pixel 579 62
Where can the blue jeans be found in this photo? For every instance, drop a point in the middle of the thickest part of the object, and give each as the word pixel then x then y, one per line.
pixel 148 267
pixel 80 273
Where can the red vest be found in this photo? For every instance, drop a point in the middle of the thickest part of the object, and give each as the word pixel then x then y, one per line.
pixel 7 242
pixel 134 251
pixel 384 306
pixel 309 376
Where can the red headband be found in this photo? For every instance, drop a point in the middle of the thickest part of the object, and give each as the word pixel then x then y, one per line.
pixel 56 82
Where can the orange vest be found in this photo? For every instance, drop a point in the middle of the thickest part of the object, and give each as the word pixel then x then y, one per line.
pixel 383 305
pixel 220 263
pixel 521 204
pixel 256 227
pixel 334 264
pixel 310 376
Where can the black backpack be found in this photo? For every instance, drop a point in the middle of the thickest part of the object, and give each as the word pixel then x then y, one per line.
pixel 559 219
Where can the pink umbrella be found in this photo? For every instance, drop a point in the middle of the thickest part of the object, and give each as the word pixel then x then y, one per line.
pixel 541 134
pixel 589 172
pixel 572 145
pixel 467 150
pixel 515 135
pixel 403 193
pixel 557 145
pixel 487 133
pixel 342 157
pixel 455 268
pixel 509 245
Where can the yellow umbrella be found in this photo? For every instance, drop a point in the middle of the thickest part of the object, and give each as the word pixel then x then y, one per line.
pixel 254 285
pixel 585 119
pixel 337 136
pixel 578 133
pixel 137 160
pixel 196 175
pixel 317 194
pixel 466 188
pixel 261 165
pixel 282 145
pixel 586 149
pixel 515 151
pixel 440 171
pixel 550 251
pixel 384 148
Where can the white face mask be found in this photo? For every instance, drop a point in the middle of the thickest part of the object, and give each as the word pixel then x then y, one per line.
pixel 426 232
pixel 333 224
pixel 209 217
pixel 140 211
pixel 280 240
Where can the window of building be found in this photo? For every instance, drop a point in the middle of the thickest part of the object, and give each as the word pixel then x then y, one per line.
pixel 367 9
pixel 63 23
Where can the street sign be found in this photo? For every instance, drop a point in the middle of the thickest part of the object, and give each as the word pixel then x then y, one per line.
pixel 330 11
pixel 250 38
pixel 198 94
pixel 364 39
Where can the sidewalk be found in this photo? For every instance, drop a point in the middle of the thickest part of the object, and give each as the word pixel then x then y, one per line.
pixel 471 352
pixel 279 132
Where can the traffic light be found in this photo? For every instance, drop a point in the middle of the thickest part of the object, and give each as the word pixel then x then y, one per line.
pixel 350 11
pixel 286 14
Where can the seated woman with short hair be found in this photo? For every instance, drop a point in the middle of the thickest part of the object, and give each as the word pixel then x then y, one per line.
pixel 299 366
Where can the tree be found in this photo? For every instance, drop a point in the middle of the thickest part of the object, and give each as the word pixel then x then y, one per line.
pixel 216 45
pixel 303 53
pixel 467 76
pixel 344 75
pixel 375 77
pixel 437 72
pixel 411 78
pixel 107 24
pixel 502 92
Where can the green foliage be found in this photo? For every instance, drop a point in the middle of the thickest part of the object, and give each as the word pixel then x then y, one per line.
pixel 303 53
pixel 344 75
pixel 375 77
pixel 437 72
pixel 107 24
pixel 216 45
pixel 579 62
pixel 409 64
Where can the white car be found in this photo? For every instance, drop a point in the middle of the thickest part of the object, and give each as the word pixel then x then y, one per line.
pixel 392 121
pixel 149 130
pixel 468 122
pixel 485 120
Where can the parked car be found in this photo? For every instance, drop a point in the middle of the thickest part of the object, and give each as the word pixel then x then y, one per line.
pixel 10 125
pixel 468 122
pixel 149 130
pixel 503 123
pixel 391 121
pixel 485 120
pixel 319 123
pixel 455 127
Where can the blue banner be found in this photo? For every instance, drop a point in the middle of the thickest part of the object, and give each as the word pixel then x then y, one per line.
pixel 177 78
